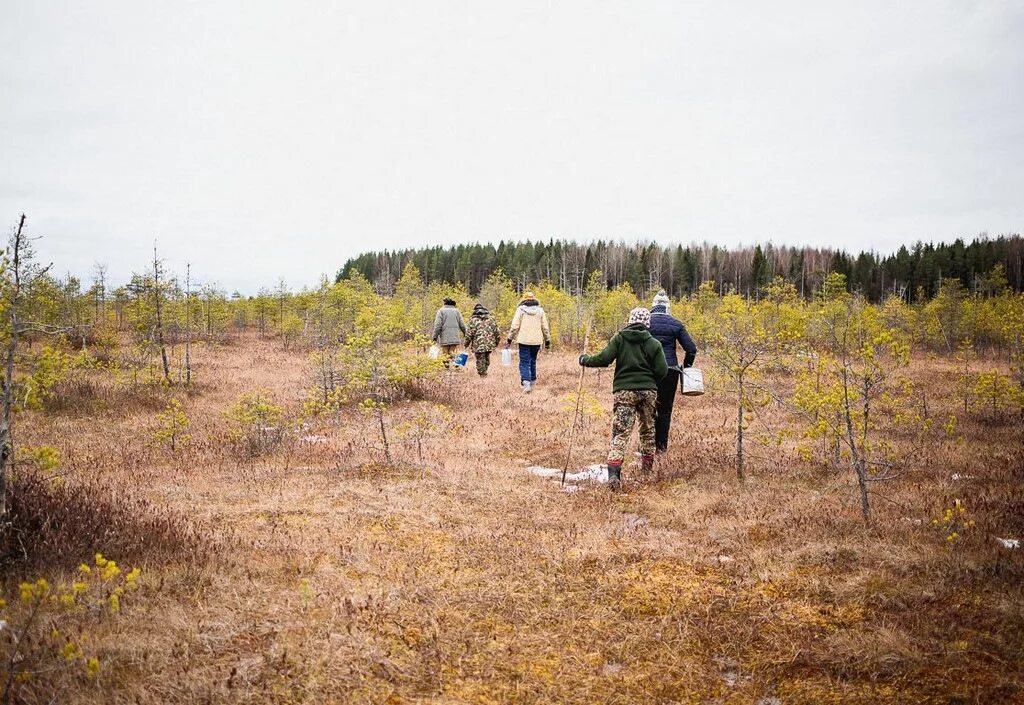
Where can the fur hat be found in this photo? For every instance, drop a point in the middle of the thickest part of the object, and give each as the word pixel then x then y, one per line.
pixel 640 315
pixel 661 299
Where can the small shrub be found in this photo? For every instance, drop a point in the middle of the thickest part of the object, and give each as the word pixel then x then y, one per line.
pixel 45 631
pixel 173 428
pixel 996 395
pixel 953 522
pixel 291 330
pixel 136 365
pixel 256 422
pixel 426 421
pixel 41 458
pixel 318 403
pixel 410 374
pixel 48 368
pixel 55 377
pixel 100 340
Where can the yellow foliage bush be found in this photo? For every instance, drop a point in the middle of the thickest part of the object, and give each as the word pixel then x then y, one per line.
pixel 256 422
pixel 47 625
pixel 953 522
pixel 173 426
pixel 997 395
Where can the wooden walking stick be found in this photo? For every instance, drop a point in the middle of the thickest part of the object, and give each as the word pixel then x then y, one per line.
pixel 576 414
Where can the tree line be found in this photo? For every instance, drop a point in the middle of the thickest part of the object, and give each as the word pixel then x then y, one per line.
pixel 914 274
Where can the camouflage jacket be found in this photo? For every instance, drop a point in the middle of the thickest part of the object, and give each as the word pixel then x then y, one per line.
pixel 482 334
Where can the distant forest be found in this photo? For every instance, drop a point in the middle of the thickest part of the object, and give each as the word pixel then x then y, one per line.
pixel 913 273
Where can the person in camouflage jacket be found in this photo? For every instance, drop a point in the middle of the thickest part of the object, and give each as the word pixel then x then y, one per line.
pixel 482 337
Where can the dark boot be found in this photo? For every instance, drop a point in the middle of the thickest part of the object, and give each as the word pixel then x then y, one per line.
pixel 647 463
pixel 615 476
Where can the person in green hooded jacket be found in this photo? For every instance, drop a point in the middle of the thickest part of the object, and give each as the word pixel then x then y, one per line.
pixel 639 365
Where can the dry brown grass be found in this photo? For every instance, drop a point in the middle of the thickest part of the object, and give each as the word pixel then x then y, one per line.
pixel 469 581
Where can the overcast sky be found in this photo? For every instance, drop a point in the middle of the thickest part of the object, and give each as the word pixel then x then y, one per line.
pixel 261 140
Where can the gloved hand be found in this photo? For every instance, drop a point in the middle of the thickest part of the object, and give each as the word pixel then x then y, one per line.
pixel 547 344
pixel 583 360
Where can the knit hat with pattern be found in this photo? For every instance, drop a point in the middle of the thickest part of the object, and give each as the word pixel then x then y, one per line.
pixel 640 315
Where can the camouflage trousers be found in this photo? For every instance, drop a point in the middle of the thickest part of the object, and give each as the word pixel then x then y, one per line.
pixel 483 361
pixel 632 406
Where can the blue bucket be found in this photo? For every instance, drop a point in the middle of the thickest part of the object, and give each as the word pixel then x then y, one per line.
pixel 461 359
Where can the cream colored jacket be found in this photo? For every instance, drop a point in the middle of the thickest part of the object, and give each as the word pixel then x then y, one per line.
pixel 529 325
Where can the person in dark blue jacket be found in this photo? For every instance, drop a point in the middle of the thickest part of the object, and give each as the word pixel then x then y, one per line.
pixel 668 331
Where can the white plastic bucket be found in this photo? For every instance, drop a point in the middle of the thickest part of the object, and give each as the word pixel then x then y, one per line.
pixel 434 352
pixel 693 382
pixel 506 357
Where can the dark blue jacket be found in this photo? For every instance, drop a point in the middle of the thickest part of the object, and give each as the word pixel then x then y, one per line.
pixel 668 331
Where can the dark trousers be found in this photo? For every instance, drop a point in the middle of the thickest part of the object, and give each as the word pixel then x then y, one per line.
pixel 528 362
pixel 666 398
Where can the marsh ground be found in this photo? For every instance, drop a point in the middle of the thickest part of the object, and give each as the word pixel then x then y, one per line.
pixel 332 577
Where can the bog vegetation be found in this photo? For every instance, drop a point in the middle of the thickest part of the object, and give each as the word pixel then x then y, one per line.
pixel 312 508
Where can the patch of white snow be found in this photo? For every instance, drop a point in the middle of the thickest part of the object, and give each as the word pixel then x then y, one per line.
pixel 541 471
pixel 591 473
pixel 594 473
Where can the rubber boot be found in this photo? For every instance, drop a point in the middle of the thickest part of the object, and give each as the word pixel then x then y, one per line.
pixel 526 386
pixel 647 463
pixel 615 476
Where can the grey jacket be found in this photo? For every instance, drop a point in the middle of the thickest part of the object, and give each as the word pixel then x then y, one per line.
pixel 448 326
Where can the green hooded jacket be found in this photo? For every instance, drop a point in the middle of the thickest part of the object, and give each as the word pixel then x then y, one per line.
pixel 639 359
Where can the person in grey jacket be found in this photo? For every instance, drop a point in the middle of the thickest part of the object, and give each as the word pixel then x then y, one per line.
pixel 668 331
pixel 449 328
